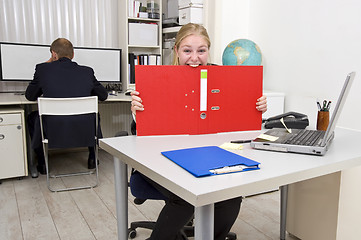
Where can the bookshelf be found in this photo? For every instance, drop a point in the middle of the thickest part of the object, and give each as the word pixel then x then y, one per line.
pixel 169 35
pixel 138 35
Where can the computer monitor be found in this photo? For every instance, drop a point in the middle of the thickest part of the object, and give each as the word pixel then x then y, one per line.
pixel 18 61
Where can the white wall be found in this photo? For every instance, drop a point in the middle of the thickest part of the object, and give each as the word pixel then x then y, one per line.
pixel 308 48
pixel 226 21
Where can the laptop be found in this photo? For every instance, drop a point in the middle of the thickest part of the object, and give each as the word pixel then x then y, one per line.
pixel 301 140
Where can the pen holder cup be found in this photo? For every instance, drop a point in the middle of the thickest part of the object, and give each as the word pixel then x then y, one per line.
pixel 323 118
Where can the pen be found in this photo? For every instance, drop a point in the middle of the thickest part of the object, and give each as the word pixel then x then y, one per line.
pixel 324 105
pixel 328 106
pixel 242 141
pixel 319 106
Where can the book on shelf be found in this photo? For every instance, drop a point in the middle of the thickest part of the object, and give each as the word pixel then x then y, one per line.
pixel 134 6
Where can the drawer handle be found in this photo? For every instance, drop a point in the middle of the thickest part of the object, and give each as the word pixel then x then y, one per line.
pixel 1 119
pixel 2 136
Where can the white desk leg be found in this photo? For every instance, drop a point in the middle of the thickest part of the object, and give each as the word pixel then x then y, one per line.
pixel 121 197
pixel 284 193
pixel 204 225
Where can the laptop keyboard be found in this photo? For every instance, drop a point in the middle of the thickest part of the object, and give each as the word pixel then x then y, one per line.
pixel 305 137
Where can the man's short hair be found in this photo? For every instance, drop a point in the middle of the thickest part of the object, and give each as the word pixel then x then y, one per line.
pixel 63 47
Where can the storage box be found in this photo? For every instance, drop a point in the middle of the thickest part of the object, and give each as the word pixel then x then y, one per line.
pixel 172 9
pixel 143 34
pixel 189 2
pixel 191 14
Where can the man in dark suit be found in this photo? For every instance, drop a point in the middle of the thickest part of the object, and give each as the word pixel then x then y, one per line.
pixel 60 77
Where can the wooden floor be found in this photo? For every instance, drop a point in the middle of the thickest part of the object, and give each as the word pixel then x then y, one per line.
pixel 29 211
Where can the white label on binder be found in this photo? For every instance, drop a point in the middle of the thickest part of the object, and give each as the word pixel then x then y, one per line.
pixel 203 92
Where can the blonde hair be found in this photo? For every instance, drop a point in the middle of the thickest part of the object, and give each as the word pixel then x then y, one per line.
pixel 63 47
pixel 185 31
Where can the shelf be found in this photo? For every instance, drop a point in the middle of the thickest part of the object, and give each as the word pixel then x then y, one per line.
pixel 139 46
pixel 129 33
pixel 143 19
pixel 171 29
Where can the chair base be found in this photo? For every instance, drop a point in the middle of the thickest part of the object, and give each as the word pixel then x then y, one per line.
pixel 89 172
pixel 71 175
pixel 187 231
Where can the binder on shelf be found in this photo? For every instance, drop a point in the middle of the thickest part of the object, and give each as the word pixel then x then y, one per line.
pixel 131 63
pixel 152 59
pixel 145 59
pixel 201 100
pixel 210 160
pixel 159 60
pixel 141 59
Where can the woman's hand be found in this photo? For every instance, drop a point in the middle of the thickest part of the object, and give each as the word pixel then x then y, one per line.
pixel 136 103
pixel 262 104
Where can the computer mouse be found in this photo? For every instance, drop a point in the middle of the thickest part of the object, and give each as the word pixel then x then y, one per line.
pixel 127 93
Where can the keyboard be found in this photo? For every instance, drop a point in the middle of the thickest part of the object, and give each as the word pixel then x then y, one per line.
pixel 305 137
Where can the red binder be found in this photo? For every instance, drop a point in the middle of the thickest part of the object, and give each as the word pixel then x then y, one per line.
pixel 201 100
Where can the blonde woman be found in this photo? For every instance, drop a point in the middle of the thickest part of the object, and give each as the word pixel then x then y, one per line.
pixel 191 48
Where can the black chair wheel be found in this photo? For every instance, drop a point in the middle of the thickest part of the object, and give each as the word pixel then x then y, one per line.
pixel 132 233
pixel 231 238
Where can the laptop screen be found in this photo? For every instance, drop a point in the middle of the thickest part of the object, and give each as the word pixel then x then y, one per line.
pixel 340 102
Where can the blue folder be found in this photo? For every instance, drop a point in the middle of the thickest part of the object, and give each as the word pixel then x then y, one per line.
pixel 210 160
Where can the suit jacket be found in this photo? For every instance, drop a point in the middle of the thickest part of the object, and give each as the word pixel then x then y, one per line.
pixel 61 79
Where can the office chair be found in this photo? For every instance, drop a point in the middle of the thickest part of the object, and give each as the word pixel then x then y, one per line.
pixel 142 190
pixel 69 123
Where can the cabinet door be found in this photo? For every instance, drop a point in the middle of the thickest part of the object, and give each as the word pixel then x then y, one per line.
pixel 12 151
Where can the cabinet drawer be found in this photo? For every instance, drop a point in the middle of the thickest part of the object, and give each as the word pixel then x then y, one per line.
pixel 12 158
pixel 10 118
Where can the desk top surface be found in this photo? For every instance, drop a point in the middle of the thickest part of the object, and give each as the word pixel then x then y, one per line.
pixel 15 99
pixel 277 169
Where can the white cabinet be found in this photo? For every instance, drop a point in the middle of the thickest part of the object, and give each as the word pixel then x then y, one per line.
pixel 13 159
pixel 141 36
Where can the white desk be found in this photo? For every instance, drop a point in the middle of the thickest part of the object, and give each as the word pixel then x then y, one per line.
pixel 277 169
pixel 16 99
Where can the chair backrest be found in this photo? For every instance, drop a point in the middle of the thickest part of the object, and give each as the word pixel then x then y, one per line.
pixel 67 106
pixel 68 122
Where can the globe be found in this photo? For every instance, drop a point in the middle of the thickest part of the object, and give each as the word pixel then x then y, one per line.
pixel 242 52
